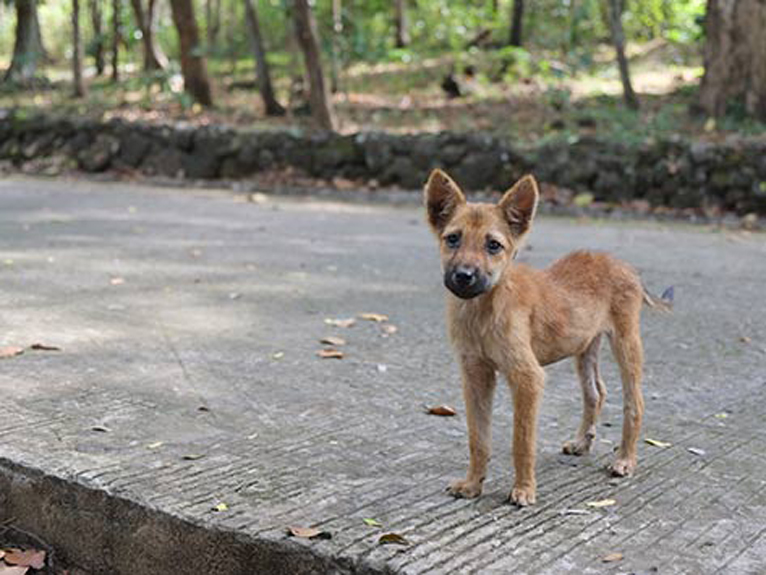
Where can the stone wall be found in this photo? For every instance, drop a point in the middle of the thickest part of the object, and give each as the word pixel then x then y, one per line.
pixel 676 173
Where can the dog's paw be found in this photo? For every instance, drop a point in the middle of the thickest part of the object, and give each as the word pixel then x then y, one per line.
pixel 622 467
pixel 523 496
pixel 465 489
pixel 577 446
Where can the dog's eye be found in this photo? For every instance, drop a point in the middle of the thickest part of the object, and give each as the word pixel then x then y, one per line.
pixel 452 240
pixel 494 247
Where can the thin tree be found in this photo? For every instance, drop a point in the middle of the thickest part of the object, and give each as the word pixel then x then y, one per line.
pixel 319 97
pixel 618 39
pixel 96 20
pixel 734 57
pixel 154 59
pixel 273 107
pixel 213 20
pixel 116 39
pixel 193 64
pixel 517 23
pixel 400 24
pixel 79 87
pixel 337 31
pixel 28 50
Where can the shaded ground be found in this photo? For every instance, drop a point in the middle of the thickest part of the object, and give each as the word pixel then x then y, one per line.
pixel 165 302
pixel 526 104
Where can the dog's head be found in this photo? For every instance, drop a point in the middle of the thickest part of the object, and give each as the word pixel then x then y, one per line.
pixel 478 241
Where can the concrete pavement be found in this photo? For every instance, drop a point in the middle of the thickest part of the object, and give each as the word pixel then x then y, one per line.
pixel 188 381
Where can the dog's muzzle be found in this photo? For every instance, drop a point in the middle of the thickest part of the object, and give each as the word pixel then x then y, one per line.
pixel 465 282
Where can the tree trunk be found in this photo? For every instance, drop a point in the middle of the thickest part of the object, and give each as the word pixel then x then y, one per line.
pixel 517 23
pixel 735 57
pixel 273 107
pixel 27 48
pixel 306 32
pixel 116 39
pixel 79 87
pixel 337 30
pixel 193 64
pixel 154 59
pixel 618 38
pixel 400 21
pixel 96 21
pixel 213 20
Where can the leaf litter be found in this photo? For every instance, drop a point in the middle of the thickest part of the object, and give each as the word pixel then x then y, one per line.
pixel 330 354
pixel 333 340
pixel 601 503
pixel 393 539
pixel 341 322
pixel 657 442
pixel 44 347
pixel 34 558
pixel 308 533
pixel 376 317
pixel 10 351
pixel 612 558
pixel 442 410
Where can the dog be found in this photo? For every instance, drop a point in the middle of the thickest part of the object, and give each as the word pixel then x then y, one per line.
pixel 509 318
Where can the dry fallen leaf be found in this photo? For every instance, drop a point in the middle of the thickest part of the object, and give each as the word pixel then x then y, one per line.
pixel 221 507
pixel 372 522
pixel 10 351
pixel 389 329
pixel 193 456
pixel 333 340
pixel 101 428
pixel 392 539
pixel 377 317
pixel 574 512
pixel 44 347
pixel 308 533
pixel 601 503
pixel 657 442
pixel 155 445
pixel 34 558
pixel 330 354
pixel 347 322
pixel 744 339
pixel 13 569
pixel 443 410
pixel 117 281
pixel 696 451
pixel 611 558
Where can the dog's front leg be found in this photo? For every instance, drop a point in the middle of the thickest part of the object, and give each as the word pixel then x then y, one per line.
pixel 527 382
pixel 478 392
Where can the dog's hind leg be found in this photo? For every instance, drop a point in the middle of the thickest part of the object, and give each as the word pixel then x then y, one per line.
pixel 628 351
pixel 593 396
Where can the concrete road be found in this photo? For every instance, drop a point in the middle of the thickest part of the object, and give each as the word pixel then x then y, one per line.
pixel 188 378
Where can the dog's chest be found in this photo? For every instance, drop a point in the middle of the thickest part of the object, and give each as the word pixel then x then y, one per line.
pixel 480 331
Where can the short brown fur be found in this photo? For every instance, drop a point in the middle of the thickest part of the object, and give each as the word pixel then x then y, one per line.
pixel 512 319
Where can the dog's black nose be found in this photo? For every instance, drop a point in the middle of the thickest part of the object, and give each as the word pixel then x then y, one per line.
pixel 464 277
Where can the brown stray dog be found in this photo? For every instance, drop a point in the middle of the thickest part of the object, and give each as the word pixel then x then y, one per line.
pixel 513 319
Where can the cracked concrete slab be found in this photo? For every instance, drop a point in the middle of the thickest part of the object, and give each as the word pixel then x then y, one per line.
pixel 189 324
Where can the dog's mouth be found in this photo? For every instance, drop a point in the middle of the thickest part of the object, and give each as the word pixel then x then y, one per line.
pixel 466 283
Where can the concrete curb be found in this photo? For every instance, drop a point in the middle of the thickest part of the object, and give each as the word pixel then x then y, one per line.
pixel 105 533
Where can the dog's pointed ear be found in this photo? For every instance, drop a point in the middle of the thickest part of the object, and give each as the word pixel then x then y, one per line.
pixel 442 197
pixel 519 205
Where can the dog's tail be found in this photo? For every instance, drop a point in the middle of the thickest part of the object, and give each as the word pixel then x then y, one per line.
pixel 663 303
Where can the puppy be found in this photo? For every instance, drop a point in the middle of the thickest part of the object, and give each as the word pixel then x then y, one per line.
pixel 509 318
